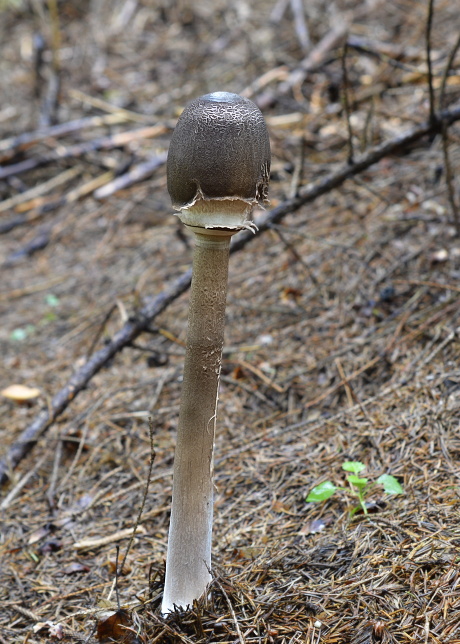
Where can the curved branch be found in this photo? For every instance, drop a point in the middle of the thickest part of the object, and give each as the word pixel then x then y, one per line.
pixel 143 319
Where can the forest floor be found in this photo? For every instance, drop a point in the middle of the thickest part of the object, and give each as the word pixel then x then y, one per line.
pixel 342 334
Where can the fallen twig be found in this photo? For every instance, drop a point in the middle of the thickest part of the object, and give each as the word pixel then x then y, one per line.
pixel 135 174
pixel 335 179
pixel 300 24
pixel 15 144
pixel 22 200
pixel 101 186
pixel 79 149
pixel 129 332
pixel 429 25
pixel 100 104
pixel 333 38
pixel 143 319
pixel 96 542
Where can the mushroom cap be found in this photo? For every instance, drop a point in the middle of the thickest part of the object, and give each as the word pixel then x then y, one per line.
pixel 220 150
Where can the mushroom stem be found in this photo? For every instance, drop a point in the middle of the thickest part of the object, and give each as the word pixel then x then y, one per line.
pixel 189 547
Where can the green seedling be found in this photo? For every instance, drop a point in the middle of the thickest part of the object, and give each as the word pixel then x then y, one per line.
pixel 359 486
pixel 21 333
pixel 52 300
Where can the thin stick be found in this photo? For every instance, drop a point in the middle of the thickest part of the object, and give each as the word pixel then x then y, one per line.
pixel 23 141
pixel 450 180
pixel 445 142
pixel 229 603
pixel 387 53
pixel 144 498
pixel 445 76
pixel 22 483
pixel 297 176
pixel 40 189
pixel 300 24
pixel 55 34
pixel 346 384
pixel 117 594
pixel 54 475
pixel 429 24
pixel 346 104
pixel 278 11
pixel 315 58
pixel 108 107
pixel 297 256
pixel 78 150
pixel 448 287
pixel 134 175
pixel 100 330
pixel 143 319
pixel 97 542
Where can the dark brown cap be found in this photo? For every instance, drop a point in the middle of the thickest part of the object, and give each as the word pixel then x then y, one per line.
pixel 219 150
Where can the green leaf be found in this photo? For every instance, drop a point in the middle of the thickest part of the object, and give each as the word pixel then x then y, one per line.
pixel 20 334
pixel 321 492
pixel 357 481
pixel 52 300
pixel 354 510
pixel 391 485
pixel 353 466
pixel 48 317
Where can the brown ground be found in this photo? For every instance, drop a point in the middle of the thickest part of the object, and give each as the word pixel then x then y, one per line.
pixel 342 341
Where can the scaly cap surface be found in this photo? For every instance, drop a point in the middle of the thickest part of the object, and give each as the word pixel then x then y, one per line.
pixel 219 152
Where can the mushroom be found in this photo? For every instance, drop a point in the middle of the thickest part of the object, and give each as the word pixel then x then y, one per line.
pixel 217 170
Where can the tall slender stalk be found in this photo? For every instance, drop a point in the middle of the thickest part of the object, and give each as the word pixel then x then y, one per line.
pixel 189 548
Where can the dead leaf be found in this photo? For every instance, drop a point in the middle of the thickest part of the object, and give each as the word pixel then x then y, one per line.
pixel 116 628
pixel 75 567
pixel 289 293
pixel 20 393
pixel 279 506
pixel 238 373
pixel 55 631
pixel 39 534
pixel 112 566
pixel 51 545
pixel 315 526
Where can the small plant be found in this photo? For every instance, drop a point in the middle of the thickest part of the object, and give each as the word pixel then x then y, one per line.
pixel 359 486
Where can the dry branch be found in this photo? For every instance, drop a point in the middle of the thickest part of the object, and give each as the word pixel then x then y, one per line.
pixel 101 186
pixel 429 24
pixel 333 38
pixel 300 24
pixel 335 179
pixel 23 199
pixel 79 149
pixel 137 173
pixel 143 319
pixel 11 146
